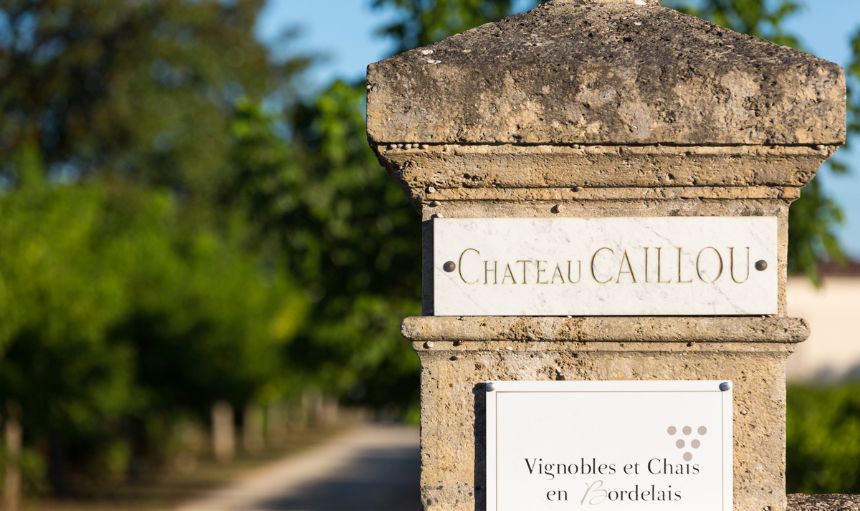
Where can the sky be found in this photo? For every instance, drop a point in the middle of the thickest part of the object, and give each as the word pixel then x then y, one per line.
pixel 342 34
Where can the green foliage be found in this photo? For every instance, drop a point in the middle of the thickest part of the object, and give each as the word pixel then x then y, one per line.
pixel 816 211
pixel 823 439
pixel 57 301
pixel 348 237
pixel 200 295
pixel 367 236
pixel 139 90
pixel 127 292
pixel 422 22
pixel 811 233
pixel 754 17
pixel 112 308
pixel 853 78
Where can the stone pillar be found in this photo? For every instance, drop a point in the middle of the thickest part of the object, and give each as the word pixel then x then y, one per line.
pixel 602 108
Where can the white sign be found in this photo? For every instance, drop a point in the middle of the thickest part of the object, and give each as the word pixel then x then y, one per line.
pixel 652 266
pixel 609 446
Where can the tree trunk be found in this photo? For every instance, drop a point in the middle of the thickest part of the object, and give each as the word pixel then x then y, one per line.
pixel 12 477
pixel 223 432
pixel 137 436
pixel 276 424
pixel 252 429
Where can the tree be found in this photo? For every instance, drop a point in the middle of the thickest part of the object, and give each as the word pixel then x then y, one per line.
pixel 823 440
pixel 116 317
pixel 114 159
pixel 422 22
pixel 132 90
pixel 58 298
pixel 346 234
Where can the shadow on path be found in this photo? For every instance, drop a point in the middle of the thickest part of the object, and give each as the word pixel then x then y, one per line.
pixel 377 478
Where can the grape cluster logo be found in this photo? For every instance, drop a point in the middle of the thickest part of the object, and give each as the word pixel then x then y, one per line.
pixel 687 441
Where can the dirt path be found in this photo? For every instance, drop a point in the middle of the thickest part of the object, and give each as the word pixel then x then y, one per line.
pixel 371 468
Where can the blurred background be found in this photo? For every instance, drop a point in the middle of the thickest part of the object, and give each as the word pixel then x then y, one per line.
pixel 203 268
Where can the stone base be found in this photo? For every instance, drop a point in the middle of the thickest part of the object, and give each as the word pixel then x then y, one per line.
pixel 459 354
pixel 800 502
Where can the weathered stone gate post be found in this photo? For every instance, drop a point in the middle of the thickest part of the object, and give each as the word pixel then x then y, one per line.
pixel 603 109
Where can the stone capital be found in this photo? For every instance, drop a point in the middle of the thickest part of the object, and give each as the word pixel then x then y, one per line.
pixel 605 72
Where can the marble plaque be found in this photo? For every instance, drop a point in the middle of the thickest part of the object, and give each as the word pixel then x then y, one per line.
pixel 653 266
pixel 609 445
